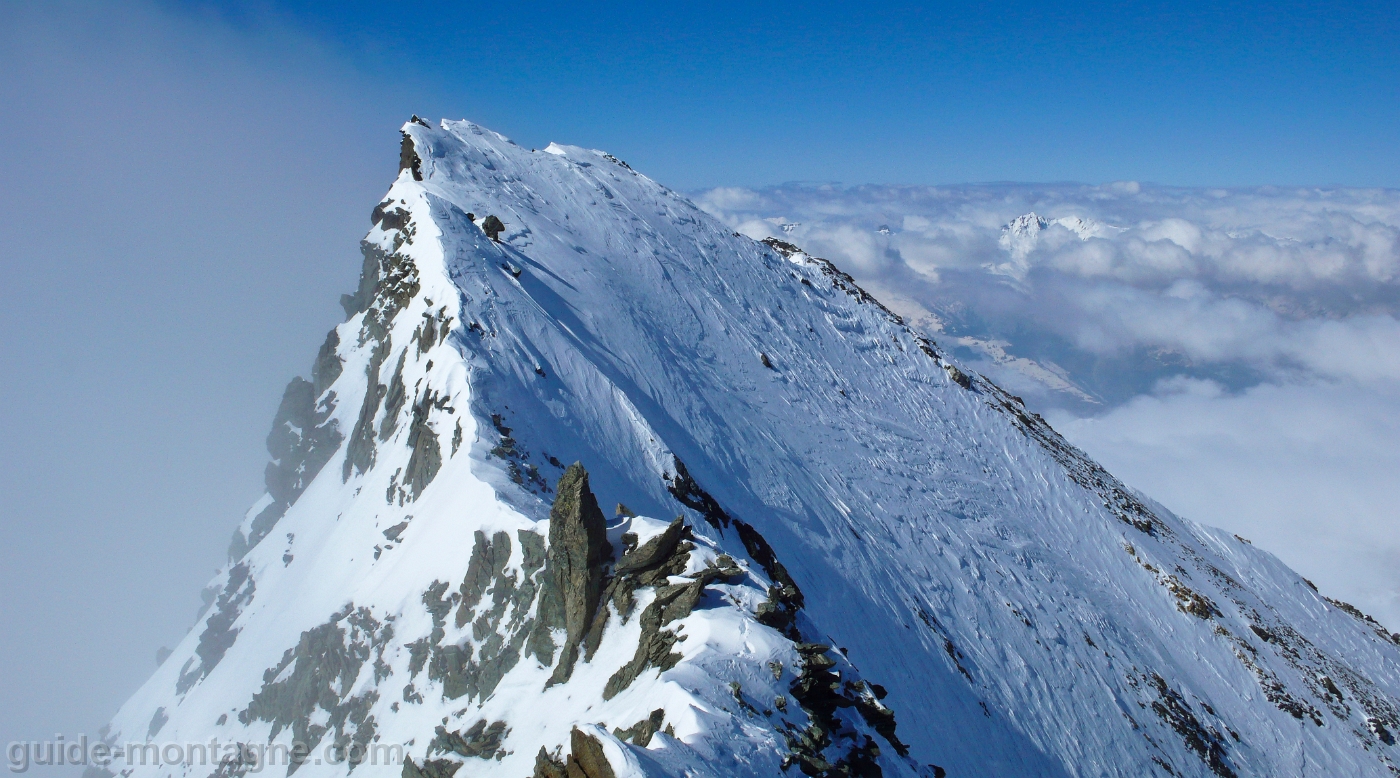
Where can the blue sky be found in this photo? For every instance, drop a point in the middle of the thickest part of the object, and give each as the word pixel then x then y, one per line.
pixel 1189 93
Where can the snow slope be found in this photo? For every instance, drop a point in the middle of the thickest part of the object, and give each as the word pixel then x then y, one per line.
pixel 870 535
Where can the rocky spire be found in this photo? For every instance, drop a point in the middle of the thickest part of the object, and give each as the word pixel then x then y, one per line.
pixel 578 550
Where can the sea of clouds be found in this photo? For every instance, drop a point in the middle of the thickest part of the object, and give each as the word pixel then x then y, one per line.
pixel 1234 353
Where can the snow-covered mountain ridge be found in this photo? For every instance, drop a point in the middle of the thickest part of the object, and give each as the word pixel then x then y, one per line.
pixel 1023 234
pixel 882 563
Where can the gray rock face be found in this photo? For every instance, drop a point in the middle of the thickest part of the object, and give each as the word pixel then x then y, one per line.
pixel 408 158
pixel 431 768
pixel 548 766
pixel 369 276
pixel 394 399
pixel 360 451
pixel 654 551
pixel 673 602
pixel 426 459
pixel 641 732
pixel 688 493
pixel 959 377
pixel 328 364
pixel 481 740
pixel 488 560
pixel 157 723
pixel 573 580
pixel 302 440
pixel 219 631
pixel 587 759
pixel 307 692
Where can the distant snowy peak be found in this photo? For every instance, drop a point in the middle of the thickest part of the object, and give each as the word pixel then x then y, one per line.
pixel 1087 228
pixel 1026 224
pixel 1023 234
pixel 1032 224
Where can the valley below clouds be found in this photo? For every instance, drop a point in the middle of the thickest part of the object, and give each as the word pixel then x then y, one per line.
pixel 1232 353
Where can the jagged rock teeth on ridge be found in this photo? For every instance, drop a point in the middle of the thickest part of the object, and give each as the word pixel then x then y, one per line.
pixel 578 550
pixel 409 159
pixel 587 759
pixel 653 551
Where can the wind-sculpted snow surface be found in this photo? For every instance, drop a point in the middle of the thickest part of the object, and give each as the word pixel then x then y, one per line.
pixel 882 563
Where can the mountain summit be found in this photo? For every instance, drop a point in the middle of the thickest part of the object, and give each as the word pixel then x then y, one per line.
pixel 832 553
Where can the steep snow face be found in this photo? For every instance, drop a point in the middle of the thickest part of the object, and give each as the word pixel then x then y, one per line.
pixel 867 534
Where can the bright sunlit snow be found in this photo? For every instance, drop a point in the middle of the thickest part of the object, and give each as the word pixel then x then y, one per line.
pixel 1025 613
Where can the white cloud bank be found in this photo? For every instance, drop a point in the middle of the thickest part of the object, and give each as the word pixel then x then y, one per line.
pixel 1233 353
pixel 1306 471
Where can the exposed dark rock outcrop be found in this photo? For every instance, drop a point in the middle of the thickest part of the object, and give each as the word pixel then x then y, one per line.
pixel 465 671
pixel 488 561
pixel 493 227
pixel 430 768
pixel 573 576
pixel 377 215
pixel 396 219
pixel 328 364
pixel 360 451
pixel 821 691
pixel 784 597
pixel 518 465
pixel 432 329
pixel 474 668
pixel 426 459
pixel 688 493
pixel 549 766
pixel 219 632
pixel 302 441
pixel 672 602
pixel 394 398
pixel 157 723
pixel 323 668
pixel 387 282
pixel 959 377
pixel 829 746
pixel 1205 742
pixel 653 552
pixel 481 740
pixel 369 276
pixel 409 159
pixel 587 759
pixel 244 759
pixel 641 732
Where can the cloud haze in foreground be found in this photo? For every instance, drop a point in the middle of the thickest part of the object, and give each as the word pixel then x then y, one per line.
pixel 177 232
pixel 1234 354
